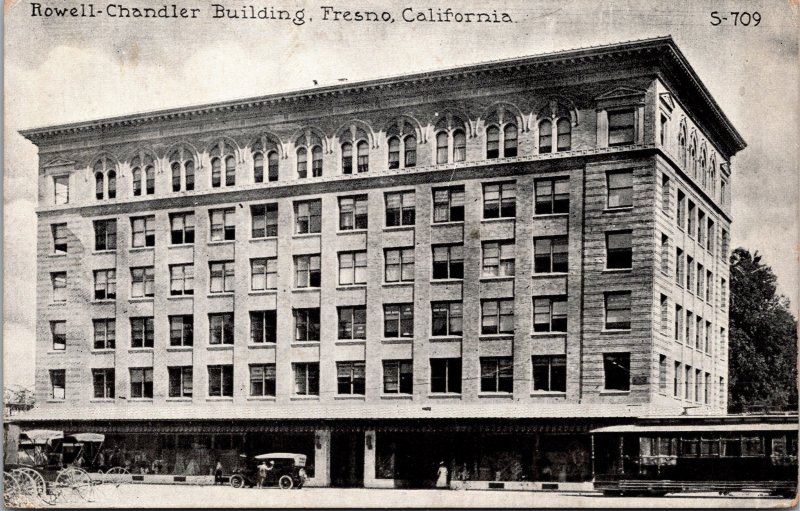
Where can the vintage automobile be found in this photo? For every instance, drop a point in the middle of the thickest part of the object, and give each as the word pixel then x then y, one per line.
pixel 284 470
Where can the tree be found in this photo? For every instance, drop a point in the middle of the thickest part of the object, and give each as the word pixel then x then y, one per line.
pixel 763 338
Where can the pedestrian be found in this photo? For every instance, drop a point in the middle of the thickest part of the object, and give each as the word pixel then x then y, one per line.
pixel 218 473
pixel 262 474
pixel 441 480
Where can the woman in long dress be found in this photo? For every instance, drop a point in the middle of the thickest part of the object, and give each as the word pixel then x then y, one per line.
pixel 441 480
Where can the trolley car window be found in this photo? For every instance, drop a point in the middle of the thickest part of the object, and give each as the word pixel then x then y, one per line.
pixel 752 446
pixel 709 447
pixel 732 447
pixel 690 446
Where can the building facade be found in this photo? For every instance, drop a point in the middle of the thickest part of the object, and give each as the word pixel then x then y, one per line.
pixel 475 265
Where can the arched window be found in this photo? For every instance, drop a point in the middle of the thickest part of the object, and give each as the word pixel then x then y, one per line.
pixel 410 146
pixel 137 181
pixel 501 134
pixel 712 176
pixel 555 125
pixel 703 169
pixel 99 185
pixel 265 148
pixel 545 137
pixel 363 157
pixel 272 166
pixel 302 163
pixel 216 172
pixel 105 179
pixel 394 153
pixel 316 161
pixel 176 176
pixel 492 142
pixel 564 131
pixel 222 154
pixel 181 163
pixel 354 139
pixel 347 158
pixel 112 184
pixel 450 128
pixel 402 140
pixel 459 145
pixel 230 171
pixel 693 158
pixel 150 175
pixel 309 142
pixel 258 167
pixel 510 141
pixel 682 145
pixel 441 147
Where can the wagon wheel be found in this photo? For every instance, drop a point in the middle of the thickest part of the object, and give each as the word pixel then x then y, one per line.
pixel 40 485
pixel 76 484
pixel 116 476
pixel 285 482
pixel 12 491
pixel 27 484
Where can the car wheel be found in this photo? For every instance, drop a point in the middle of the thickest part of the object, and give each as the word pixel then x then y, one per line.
pixel 285 482
pixel 237 481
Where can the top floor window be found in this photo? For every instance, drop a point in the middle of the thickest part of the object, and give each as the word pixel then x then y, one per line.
pixel 555 125
pixel 181 163
pixel 144 175
pixel 402 143
pixel 308 217
pixel 492 142
pixel 497 138
pixel 61 189
pixel 620 127
pixel 265 151
pixel 500 200
pixel 450 132
pixel 620 189
pixel 222 159
pixel 309 144
pixel 104 172
pixel 552 196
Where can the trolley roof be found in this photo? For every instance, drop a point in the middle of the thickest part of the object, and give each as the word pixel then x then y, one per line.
pixel 700 428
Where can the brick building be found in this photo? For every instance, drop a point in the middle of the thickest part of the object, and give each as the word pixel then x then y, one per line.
pixel 475 265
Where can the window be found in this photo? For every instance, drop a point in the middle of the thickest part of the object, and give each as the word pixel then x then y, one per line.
pixel 105 284
pixel 57 384
pixel 545 137
pixel 142 332
pixel 142 382
pixel 510 141
pixel 447 318
pixel 180 381
pixel 363 157
pixel 687 383
pixel 620 189
pixel 664 313
pixel 497 374
pixel 552 196
pixel 58 333
pixel 59 280
pixel 492 142
pixel 619 250
pixel 223 224
pixel 564 132
pixel 222 155
pixel 723 294
pixel 352 268
pixel 662 133
pixel 221 276
pixel 550 255
pixel 316 161
pixel 690 274
pixel 688 331
pixel 448 262
pixel 709 286
pixel 698 333
pixel 60 233
pixel 662 374
pixel 181 228
pixel 497 317
pixel 143 174
pixel 258 167
pixel 680 267
pixel 500 200
pixel 618 311
pixel 676 380
pixel 220 381
pixel 264 218
pixel 664 254
pixel 352 322
pixel 550 373
pixel 306 325
pixel 144 231
pixel 701 228
pixel 550 314
pixel 398 377
pixel 394 153
pixel 263 327
pixel 181 330
pixel 691 220
pixel 400 209
pixel 263 274
pixel 678 322
pixel 308 217
pixel 711 239
pixel 723 193
pixel 142 282
pixel 220 328
pixel 706 389
pixel 498 258
pixel 105 235
pixel 665 192
pixel 617 371
pixel 61 189
pixel 680 218
pixel 399 265
pixel 347 158
pixel 700 278
pixel 306 379
pixel 302 163
pixel 307 271
pixel 182 167
pixel 105 334
pixel 272 168
pixel 620 127
pixel 398 320
pixel 262 379
pixel 724 245
pixel 352 213
pixel 459 145
pixel 103 383
pixel 410 146
pixel 446 375
pixel 181 279
pixel 448 204
pixel 350 378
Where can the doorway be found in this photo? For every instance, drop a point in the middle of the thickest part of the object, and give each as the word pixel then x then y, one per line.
pixel 347 459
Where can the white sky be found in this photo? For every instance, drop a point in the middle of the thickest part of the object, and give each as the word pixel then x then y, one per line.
pixel 65 70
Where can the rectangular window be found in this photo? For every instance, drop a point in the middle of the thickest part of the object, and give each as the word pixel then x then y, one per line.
pixel 722 401
pixel 665 194
pixel 680 267
pixel 664 254
pixel 400 209
pixel 550 255
pixel 723 294
pixel 220 381
pixel 352 268
pixel 143 231
pixel 618 311
pixel 497 374
pixel 676 380
pixel 308 217
pixel 399 265
pixel 680 219
pixel 447 318
pixel 706 389
pixel 105 284
pixel 617 371
pixel 662 374
pixel 220 328
pixel 497 317
pixel 698 333
pixel 60 233
pixel 263 274
pixel 711 239
pixel 307 271
pixel 448 204
pixel 725 245
pixel 58 332
pixel 142 332
pixel 723 193
pixel 690 274
pixel 620 189
pixel 141 382
pixel 498 258
pixel 264 221
pixel 550 373
pixel 181 227
pixel 103 383
pixel 58 383
pixel 306 325
pixel 691 221
pixel 500 200
pixel 678 322
pixel 620 127
pixel 61 188
pixel 448 262
pixel 59 281
pixel 701 274
pixel 306 379
pixel 619 250
pixel 353 213
pixel 687 383
pixel 552 196
pixel 350 378
pixel 263 327
pixel 701 228
pixel 181 330
pixel 142 282
pixel 664 313
pixel 687 336
pixel 180 381
pixel 262 380
pixel 181 279
pixel 707 340
pixel 446 376
pixel 352 322
pixel 398 377
pixel 223 224
pixel 221 276
pixel 105 235
pixel 398 320
pixel 550 314
pixel 105 334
